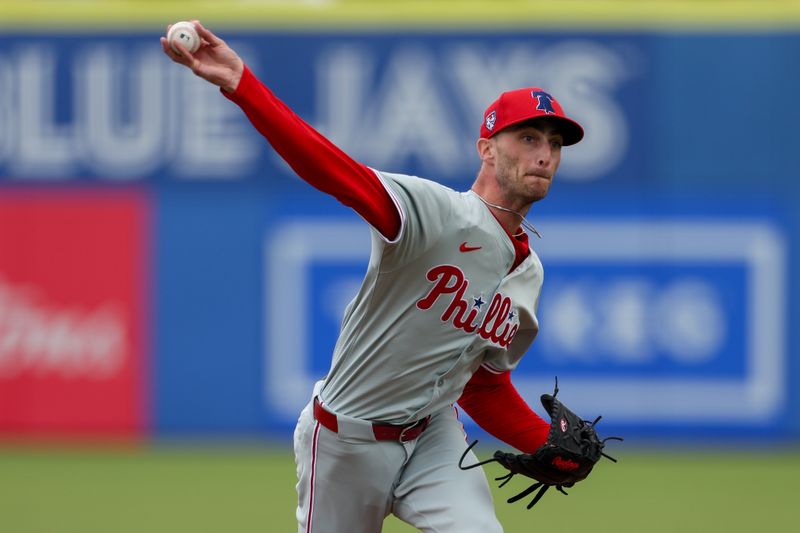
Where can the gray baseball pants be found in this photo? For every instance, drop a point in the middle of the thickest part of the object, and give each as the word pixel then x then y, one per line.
pixel 349 482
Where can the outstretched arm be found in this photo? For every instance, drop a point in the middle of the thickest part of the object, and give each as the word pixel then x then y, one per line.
pixel 313 157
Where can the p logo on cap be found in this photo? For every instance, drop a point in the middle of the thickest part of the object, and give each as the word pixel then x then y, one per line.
pixel 521 105
pixel 545 102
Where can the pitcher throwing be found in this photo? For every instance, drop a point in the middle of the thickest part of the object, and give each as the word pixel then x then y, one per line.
pixel 445 312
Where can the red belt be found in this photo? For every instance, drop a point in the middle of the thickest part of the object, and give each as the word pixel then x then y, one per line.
pixel 382 431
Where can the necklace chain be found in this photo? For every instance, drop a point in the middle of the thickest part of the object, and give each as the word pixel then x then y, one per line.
pixel 523 221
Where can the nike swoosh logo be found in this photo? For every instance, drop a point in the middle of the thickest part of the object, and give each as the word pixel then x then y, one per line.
pixel 465 248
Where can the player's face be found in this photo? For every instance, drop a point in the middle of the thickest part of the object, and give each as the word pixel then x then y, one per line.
pixel 527 157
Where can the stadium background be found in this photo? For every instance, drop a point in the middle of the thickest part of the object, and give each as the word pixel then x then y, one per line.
pixel 162 317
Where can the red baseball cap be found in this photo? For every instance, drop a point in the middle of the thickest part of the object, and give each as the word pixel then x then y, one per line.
pixel 520 105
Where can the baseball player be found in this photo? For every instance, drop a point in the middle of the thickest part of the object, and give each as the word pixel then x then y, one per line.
pixel 446 310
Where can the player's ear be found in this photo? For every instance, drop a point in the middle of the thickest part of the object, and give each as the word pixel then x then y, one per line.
pixel 485 149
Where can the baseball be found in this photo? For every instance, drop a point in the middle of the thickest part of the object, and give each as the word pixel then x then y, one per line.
pixel 185 33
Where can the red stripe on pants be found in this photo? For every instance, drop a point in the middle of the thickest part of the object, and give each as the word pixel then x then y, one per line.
pixel 313 467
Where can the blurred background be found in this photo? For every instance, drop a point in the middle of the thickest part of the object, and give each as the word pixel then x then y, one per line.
pixel 169 290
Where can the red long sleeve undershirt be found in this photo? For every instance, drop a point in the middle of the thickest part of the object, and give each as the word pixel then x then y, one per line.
pixel 314 158
pixel 494 403
pixel 490 399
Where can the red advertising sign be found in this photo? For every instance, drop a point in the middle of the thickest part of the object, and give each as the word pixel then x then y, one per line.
pixel 73 285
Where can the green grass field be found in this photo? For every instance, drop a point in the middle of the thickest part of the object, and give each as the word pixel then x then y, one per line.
pixel 249 489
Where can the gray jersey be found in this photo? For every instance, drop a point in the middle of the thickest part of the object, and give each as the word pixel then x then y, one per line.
pixel 436 303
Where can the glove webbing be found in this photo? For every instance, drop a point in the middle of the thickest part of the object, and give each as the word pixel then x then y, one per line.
pixel 543 487
pixel 505 479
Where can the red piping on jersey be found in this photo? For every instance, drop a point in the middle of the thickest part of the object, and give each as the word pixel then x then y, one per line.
pixel 520 243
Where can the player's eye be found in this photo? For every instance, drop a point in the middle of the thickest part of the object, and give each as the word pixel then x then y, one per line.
pixel 556 145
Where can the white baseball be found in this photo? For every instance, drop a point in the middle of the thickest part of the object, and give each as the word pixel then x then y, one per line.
pixel 185 33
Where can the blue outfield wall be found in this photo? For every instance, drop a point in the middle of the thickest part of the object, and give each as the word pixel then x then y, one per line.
pixel 669 242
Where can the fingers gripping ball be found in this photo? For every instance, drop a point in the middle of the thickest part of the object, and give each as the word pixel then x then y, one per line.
pixel 185 33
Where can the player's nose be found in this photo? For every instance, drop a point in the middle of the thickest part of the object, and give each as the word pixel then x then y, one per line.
pixel 543 158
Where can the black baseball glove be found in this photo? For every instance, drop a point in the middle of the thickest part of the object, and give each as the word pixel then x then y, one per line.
pixel 568 456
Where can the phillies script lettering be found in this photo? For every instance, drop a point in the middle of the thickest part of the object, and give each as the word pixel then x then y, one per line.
pixel 496 325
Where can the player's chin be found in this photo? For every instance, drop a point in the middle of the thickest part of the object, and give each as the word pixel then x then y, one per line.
pixel 538 192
